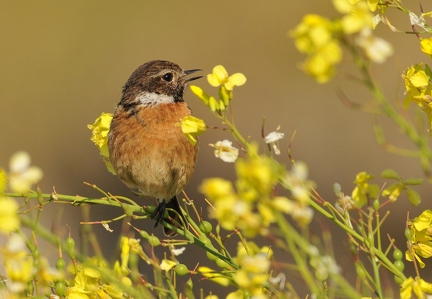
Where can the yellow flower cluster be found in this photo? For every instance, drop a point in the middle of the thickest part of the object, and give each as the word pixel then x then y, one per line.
pixel 9 220
pixel 364 190
pixel 87 284
pixel 219 77
pixel 421 288
pixel 18 264
pixel 254 273
pixel 253 276
pixel 418 87
pixel 421 237
pixel 251 205
pixel 20 179
pixel 237 209
pixel 314 37
pixel 319 38
pixel 21 268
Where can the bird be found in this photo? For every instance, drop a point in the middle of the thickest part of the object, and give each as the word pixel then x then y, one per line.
pixel 147 148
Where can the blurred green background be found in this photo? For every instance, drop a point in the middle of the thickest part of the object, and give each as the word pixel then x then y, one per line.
pixel 64 62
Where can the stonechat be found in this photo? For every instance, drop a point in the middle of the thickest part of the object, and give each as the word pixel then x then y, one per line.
pixel 147 148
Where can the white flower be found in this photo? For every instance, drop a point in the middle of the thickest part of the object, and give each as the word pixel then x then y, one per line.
pixel 415 20
pixel 15 244
pixel 225 151
pixel 178 251
pixel 376 48
pixel 22 175
pixel 273 139
pixel 376 20
pixel 300 171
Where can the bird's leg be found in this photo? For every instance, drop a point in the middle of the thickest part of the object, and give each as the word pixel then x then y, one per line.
pixel 159 213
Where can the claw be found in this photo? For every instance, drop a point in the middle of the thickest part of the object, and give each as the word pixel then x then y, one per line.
pixel 159 213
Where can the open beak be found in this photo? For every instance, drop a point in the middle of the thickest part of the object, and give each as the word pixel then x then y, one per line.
pixel 188 72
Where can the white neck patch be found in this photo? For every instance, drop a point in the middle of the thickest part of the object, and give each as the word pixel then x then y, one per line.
pixel 154 99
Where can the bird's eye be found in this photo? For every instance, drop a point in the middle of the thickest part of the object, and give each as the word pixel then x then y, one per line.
pixel 168 77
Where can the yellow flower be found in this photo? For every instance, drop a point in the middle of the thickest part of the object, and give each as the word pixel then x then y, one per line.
pixel 113 291
pixel 256 179
pixel 75 293
pixel 225 151
pixel 216 188
pixel 372 4
pixel 313 33
pixel 364 190
pixel 393 191
pixel 214 276
pixel 314 37
pixel 282 204
pixel 252 224
pixel 426 45
pixel 3 181
pixel 102 295
pixel 424 221
pixel 9 220
pixel 320 66
pixel 46 275
pixel 200 94
pixel 229 210
pixel 18 264
pixel 220 77
pixel 100 129
pixel 357 15
pixel 421 232
pixel 124 256
pixel 417 85
pixel 416 77
pixel 192 127
pixel 22 176
pixel 257 173
pixel 420 287
pixel 255 268
pixel 239 294
pixel 135 247
pixel 91 277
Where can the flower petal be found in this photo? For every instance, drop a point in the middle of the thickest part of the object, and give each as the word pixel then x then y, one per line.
pixel 273 137
pixel 238 79
pixel 213 80
pixel 19 162
pixel 220 72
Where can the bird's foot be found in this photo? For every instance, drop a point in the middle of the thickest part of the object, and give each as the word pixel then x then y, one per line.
pixel 159 213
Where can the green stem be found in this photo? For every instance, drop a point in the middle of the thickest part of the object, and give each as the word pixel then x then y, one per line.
pixel 47 235
pixel 292 238
pixel 408 128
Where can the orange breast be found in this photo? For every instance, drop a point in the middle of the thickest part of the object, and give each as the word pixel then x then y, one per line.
pixel 149 151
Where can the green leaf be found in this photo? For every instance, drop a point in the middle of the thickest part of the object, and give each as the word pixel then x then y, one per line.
pixel 414 181
pixel 390 174
pixel 428 71
pixel 413 196
pixel 127 209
